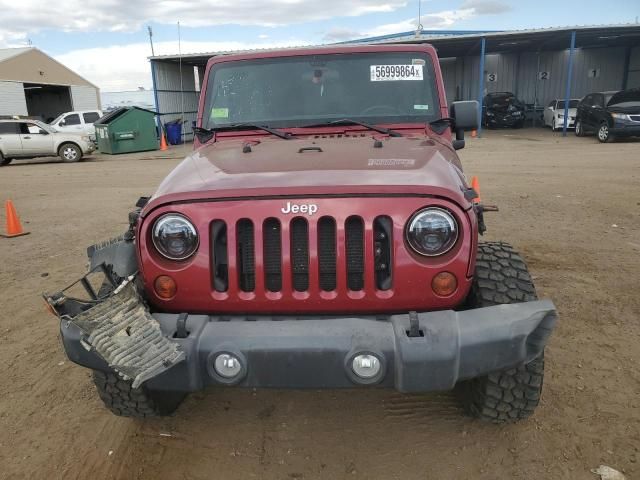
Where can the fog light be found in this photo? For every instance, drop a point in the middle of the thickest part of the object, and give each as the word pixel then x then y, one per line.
pixel 227 365
pixel 165 287
pixel 366 366
pixel 444 284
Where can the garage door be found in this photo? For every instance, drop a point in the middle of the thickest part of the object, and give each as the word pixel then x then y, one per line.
pixel 84 98
pixel 12 101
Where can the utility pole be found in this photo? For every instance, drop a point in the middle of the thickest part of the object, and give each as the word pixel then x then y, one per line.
pixel 153 53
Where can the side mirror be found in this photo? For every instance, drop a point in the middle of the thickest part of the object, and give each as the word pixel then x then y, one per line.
pixel 464 116
pixel 62 123
pixel 43 132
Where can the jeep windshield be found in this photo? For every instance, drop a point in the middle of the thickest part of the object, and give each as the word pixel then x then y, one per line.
pixel 299 91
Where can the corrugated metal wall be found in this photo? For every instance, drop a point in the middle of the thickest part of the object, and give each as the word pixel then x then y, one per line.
pixel 84 98
pixel 12 99
pixel 634 68
pixel 593 70
pixel 172 102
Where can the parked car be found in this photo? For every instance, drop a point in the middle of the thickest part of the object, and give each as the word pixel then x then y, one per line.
pixel 21 139
pixel 503 109
pixel 78 122
pixel 305 244
pixel 609 115
pixel 554 114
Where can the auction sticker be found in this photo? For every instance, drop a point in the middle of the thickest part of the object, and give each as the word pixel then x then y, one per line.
pixel 389 73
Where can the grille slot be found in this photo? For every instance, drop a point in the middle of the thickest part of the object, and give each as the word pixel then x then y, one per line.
pixel 272 248
pixel 354 238
pixel 246 255
pixel 300 254
pixel 382 244
pixel 219 256
pixel 327 253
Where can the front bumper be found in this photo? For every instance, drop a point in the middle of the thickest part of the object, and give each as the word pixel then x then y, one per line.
pixel 316 352
pixel 625 129
pixel 501 121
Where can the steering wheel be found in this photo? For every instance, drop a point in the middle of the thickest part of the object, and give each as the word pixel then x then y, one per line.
pixel 380 110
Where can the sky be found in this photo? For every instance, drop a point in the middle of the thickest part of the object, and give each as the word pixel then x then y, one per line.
pixel 107 41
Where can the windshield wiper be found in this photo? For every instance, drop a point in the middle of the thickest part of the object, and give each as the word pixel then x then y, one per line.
pixel 349 121
pixel 240 126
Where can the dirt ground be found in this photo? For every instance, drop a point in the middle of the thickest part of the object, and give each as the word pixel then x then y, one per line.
pixel 572 206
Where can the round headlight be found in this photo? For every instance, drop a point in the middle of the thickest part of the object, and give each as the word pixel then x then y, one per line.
pixel 432 231
pixel 175 237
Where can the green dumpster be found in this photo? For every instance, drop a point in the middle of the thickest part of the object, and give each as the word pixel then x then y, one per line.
pixel 125 130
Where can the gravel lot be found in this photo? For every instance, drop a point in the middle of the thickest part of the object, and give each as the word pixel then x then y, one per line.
pixel 571 206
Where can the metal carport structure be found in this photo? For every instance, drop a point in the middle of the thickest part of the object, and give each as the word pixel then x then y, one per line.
pixel 536 65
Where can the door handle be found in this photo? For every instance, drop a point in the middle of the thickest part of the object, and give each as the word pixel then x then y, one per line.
pixel 27 138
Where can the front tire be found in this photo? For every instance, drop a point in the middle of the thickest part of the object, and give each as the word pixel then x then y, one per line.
pixel 125 401
pixel 69 152
pixel 502 277
pixel 4 161
pixel 604 135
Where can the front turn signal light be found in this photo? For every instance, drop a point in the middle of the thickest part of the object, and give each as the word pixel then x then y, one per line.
pixel 165 287
pixel 444 284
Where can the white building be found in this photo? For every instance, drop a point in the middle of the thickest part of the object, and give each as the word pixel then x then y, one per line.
pixel 34 84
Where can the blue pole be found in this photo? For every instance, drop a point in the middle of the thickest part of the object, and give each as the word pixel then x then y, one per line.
pixel 567 95
pixel 481 85
pixel 155 95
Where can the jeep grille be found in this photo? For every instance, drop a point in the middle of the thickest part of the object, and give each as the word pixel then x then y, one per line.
pixel 326 262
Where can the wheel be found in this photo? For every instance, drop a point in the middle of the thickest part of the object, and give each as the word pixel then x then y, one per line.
pixel 604 135
pixel 4 161
pixel 69 152
pixel 501 277
pixel 124 401
pixel 579 129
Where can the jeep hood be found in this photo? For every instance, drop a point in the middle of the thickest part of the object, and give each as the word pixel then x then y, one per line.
pixel 315 165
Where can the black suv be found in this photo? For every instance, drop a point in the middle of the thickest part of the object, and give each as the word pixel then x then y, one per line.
pixel 609 114
pixel 503 109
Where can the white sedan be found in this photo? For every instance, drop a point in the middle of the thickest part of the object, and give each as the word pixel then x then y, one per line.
pixel 554 114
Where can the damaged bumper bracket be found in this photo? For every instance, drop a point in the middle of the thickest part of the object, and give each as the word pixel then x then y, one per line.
pixel 122 331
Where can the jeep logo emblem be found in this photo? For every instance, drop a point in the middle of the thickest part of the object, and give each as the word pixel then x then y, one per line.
pixel 308 208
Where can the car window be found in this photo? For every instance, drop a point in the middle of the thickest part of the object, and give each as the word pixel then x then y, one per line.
pixel 8 128
pixel 598 100
pixel 34 129
pixel 90 117
pixel 73 119
pixel 587 100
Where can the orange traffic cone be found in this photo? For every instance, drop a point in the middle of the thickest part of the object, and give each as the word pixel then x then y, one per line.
pixel 14 228
pixel 476 186
pixel 163 142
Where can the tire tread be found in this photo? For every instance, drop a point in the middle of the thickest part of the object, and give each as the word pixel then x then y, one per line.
pixel 502 277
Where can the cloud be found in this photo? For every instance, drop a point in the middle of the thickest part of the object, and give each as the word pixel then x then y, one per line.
pixel 340 35
pixel 126 67
pixel 486 7
pixel 21 18
pixel 431 21
pixel 444 19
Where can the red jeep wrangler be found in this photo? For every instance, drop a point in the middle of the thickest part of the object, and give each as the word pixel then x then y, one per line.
pixel 321 235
